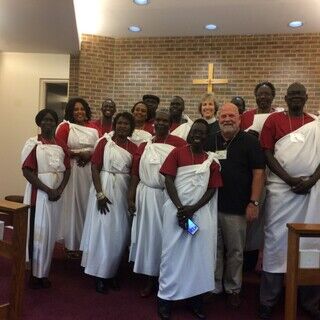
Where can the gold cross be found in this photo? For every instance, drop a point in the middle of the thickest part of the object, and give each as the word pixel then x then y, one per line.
pixel 210 81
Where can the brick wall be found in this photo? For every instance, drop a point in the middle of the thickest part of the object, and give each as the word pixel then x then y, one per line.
pixel 95 70
pixel 125 69
pixel 74 76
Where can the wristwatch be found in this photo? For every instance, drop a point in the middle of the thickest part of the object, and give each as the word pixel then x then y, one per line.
pixel 254 202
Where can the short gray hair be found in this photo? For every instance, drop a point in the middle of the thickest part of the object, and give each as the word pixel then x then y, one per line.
pixel 226 104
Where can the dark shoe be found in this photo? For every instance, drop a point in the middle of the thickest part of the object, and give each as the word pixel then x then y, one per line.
pixel 211 297
pixel 35 283
pixel 164 309
pixel 45 283
pixel 195 305
pixel 198 312
pixel 234 300
pixel 114 284
pixel 101 286
pixel 148 289
pixel 146 292
pixel 264 312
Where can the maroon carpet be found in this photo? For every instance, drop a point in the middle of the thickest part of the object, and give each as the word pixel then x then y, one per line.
pixel 72 296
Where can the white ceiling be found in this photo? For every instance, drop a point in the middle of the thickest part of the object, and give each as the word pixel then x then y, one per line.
pixel 50 25
pixel 38 26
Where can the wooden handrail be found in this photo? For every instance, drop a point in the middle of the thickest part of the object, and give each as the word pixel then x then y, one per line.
pixel 297 276
pixel 17 252
pixel 11 207
pixel 305 229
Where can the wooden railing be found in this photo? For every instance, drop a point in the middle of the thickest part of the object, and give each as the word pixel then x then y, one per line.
pixel 296 276
pixel 16 250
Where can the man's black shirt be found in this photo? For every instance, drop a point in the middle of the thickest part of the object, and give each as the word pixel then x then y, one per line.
pixel 243 155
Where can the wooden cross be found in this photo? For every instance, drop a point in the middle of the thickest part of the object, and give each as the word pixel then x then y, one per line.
pixel 210 81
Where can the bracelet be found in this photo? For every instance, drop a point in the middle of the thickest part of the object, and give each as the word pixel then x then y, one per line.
pixel 100 195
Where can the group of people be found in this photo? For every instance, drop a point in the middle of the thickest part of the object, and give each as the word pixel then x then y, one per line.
pixel 187 198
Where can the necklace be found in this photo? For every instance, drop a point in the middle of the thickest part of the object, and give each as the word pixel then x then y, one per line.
pixel 192 155
pixel 225 143
pixel 290 124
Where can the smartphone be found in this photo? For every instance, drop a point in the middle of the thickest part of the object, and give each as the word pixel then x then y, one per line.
pixel 192 228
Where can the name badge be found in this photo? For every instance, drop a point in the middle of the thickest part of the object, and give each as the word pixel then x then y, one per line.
pixel 297 137
pixel 221 154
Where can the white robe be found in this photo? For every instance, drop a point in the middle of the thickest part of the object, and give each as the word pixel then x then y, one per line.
pixel 139 136
pixel 299 154
pixel 47 213
pixel 188 261
pixel 146 236
pixel 255 234
pixel 76 193
pixel 107 235
pixel 183 130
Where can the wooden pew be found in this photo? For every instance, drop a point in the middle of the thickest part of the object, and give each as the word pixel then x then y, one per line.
pixel 296 276
pixel 17 252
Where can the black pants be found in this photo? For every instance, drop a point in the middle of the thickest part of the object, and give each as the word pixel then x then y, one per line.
pixel 250 259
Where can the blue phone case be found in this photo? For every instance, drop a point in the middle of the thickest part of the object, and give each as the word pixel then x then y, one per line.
pixel 192 227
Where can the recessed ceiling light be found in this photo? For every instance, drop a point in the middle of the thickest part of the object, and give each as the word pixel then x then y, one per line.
pixel 134 28
pixel 141 2
pixel 211 27
pixel 295 24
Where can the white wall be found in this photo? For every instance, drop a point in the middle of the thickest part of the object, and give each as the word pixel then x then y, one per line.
pixel 20 75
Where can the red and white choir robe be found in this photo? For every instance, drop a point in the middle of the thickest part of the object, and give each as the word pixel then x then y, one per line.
pixel 106 236
pixel 139 136
pixel 298 152
pixel 183 129
pixel 146 235
pixel 248 118
pixel 188 261
pixel 50 162
pixel 78 138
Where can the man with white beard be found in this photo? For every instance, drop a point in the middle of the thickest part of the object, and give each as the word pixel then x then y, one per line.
pixel 242 169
